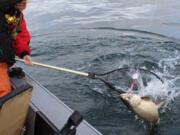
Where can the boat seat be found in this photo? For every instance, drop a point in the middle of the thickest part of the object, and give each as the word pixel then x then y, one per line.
pixel 14 106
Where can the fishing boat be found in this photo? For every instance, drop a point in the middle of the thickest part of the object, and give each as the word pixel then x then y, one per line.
pixel 30 109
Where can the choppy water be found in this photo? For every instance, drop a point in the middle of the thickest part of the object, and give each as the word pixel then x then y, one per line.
pixel 100 36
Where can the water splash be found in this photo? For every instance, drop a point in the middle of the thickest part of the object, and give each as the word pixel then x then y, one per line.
pixel 160 92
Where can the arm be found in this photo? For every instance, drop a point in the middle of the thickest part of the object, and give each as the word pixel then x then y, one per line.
pixel 21 43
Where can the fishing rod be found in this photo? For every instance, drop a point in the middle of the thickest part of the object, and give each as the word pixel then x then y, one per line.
pixel 92 75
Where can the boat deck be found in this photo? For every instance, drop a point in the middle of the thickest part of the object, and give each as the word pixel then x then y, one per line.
pixel 53 110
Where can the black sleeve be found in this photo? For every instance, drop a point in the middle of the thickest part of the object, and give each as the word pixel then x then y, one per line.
pixel 8 3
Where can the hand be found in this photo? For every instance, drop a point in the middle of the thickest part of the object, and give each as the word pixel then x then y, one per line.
pixel 27 60
pixel 21 5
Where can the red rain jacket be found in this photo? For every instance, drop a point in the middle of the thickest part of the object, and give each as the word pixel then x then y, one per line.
pixel 21 43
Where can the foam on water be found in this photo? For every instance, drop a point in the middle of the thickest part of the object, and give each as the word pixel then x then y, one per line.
pixel 161 92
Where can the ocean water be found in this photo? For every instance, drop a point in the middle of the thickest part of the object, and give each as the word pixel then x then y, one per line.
pixel 100 36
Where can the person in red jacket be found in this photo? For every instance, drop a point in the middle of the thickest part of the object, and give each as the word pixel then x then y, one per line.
pixel 14 39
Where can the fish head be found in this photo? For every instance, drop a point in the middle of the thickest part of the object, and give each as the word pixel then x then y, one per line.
pixel 131 100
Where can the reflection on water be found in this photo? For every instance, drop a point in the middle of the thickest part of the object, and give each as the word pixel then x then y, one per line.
pixel 154 16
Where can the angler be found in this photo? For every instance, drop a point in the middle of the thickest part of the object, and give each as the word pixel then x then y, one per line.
pixel 14 39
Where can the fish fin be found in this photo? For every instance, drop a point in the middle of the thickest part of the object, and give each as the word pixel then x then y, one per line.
pixel 160 104
pixel 146 98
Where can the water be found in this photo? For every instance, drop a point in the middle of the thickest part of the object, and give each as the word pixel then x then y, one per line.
pixel 100 36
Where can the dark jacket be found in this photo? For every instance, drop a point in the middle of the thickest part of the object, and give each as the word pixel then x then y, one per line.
pixel 7 53
pixel 6 50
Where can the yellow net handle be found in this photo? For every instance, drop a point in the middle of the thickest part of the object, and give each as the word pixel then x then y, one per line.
pixel 57 68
